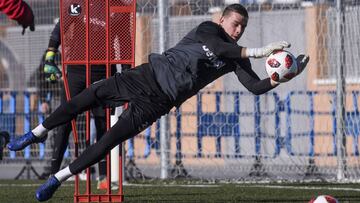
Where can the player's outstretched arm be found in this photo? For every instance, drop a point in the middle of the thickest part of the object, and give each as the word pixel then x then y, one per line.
pixel 251 80
pixel 264 51
pixel 27 20
pixel 20 11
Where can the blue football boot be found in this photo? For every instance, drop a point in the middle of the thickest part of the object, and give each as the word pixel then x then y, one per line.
pixel 46 190
pixel 20 143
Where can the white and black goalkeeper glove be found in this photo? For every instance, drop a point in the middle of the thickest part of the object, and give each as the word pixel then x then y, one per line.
pixel 302 60
pixel 267 50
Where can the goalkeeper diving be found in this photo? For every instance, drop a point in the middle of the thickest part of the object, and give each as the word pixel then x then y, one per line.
pixel 152 89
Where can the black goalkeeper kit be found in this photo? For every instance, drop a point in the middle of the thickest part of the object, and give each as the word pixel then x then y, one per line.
pixel 152 89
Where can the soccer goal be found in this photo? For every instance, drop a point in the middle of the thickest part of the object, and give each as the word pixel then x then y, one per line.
pixel 305 129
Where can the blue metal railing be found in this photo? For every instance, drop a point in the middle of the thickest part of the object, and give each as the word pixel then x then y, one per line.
pixel 219 124
pixel 352 122
pixel 11 117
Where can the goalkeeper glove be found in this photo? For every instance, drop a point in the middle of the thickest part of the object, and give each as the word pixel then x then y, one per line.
pixel 302 60
pixel 267 50
pixel 52 72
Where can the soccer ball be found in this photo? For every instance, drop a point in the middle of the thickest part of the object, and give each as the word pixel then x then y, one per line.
pixel 281 66
pixel 324 199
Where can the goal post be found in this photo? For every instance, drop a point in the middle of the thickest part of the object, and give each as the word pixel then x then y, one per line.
pixel 289 133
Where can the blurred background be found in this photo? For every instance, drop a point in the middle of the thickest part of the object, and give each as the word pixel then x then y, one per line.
pixel 305 129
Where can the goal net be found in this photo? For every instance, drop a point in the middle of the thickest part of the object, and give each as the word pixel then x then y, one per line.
pixel 225 132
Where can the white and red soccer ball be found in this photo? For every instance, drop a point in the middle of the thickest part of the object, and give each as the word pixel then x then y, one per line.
pixel 324 199
pixel 281 66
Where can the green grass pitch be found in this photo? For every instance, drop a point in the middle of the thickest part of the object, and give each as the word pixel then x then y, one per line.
pixel 12 191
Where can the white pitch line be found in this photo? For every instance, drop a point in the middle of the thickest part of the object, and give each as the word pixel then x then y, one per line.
pixel 304 187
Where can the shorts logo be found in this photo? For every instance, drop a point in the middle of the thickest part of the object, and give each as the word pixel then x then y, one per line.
pixel 74 10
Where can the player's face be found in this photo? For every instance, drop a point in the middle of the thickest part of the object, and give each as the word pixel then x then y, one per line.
pixel 234 24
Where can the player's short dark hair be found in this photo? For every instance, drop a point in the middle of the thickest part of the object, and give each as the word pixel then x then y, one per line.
pixel 237 8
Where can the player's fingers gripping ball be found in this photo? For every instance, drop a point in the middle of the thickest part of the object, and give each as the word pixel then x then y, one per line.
pixel 270 48
pixel 302 60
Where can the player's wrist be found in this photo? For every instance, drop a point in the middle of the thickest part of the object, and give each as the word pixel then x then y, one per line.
pixel 274 83
pixel 254 53
pixel 259 52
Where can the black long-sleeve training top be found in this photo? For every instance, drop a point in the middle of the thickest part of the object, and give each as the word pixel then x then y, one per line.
pixel 203 55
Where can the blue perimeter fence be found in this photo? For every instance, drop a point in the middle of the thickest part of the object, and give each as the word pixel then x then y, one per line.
pixel 216 124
